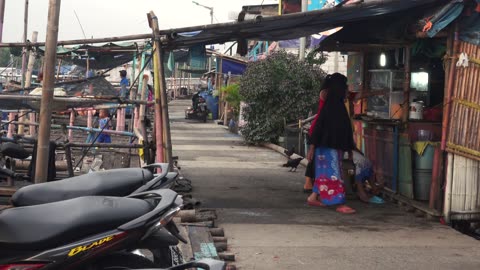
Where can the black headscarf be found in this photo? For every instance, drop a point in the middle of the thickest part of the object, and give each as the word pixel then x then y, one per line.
pixel 333 128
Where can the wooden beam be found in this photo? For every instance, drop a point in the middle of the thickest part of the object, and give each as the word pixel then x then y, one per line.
pixel 80 41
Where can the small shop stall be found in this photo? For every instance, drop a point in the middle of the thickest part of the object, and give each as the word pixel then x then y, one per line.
pixel 397 73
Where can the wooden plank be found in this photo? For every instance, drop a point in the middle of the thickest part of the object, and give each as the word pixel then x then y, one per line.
pixel 217 232
pixel 202 243
pixel 186 249
pixel 3 207
pixel 417 205
pixel 7 191
pixel 207 224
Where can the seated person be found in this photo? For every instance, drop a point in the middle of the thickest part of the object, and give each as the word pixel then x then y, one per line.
pixel 366 186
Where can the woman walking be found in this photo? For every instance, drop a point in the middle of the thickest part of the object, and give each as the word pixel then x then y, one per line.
pixel 331 137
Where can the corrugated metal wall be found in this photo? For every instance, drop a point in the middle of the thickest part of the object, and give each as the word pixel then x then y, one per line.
pixel 463 133
pixel 463 188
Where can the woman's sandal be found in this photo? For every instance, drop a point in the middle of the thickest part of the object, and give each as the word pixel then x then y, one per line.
pixel 315 203
pixel 345 210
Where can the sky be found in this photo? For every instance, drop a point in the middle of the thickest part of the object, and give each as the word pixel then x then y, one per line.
pixel 109 18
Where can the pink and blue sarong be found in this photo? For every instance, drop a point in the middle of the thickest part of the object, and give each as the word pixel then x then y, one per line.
pixel 328 176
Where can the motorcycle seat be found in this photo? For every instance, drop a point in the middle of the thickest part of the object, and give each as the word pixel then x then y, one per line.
pixel 14 150
pixel 46 226
pixel 116 182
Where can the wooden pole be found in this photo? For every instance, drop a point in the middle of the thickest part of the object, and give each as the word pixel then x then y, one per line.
pixel 132 93
pixel 41 166
pixel 143 96
pixel 28 83
pixel 406 86
pixel 72 122
pixel 449 87
pixel 80 41
pixel 141 81
pixel 31 63
pixel 24 54
pixel 59 68
pixel 159 154
pixel 75 100
pixel 160 76
pixel 2 16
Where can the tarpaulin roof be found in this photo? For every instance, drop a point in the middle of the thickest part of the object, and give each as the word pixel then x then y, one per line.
pixel 393 30
pixel 111 46
pixel 294 25
pixel 101 88
pixel 103 56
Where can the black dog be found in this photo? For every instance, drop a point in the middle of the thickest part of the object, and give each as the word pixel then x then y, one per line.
pixel 293 164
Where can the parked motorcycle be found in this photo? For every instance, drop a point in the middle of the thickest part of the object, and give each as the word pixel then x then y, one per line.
pixel 115 182
pixel 93 232
pixel 198 110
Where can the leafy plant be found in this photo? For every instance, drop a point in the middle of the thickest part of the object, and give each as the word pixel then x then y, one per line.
pixel 233 97
pixel 277 89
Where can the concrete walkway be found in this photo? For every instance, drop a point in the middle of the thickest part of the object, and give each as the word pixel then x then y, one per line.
pixel 269 226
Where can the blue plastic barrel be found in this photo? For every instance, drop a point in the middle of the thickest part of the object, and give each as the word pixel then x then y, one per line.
pixel 423 181
pixel 425 161
pixel 212 105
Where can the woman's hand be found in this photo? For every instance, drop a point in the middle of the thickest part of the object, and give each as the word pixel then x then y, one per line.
pixel 311 152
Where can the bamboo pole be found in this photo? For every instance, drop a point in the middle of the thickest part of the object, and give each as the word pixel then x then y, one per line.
pixel 24 54
pixel 449 89
pixel 143 96
pixel 74 100
pixel 58 68
pixel 160 156
pixel 406 87
pixel 28 82
pixel 160 90
pixel 90 113
pixel 72 122
pixel 2 16
pixel 80 41
pixel 88 129
pixel 132 93
pixel 11 127
pixel 41 166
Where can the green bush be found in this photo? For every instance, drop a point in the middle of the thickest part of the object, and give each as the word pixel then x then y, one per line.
pixel 277 89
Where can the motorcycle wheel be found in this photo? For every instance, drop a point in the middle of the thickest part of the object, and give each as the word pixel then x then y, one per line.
pixel 123 260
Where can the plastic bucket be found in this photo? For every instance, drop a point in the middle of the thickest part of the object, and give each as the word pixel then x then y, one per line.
pixel 422 182
pixel 416 110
